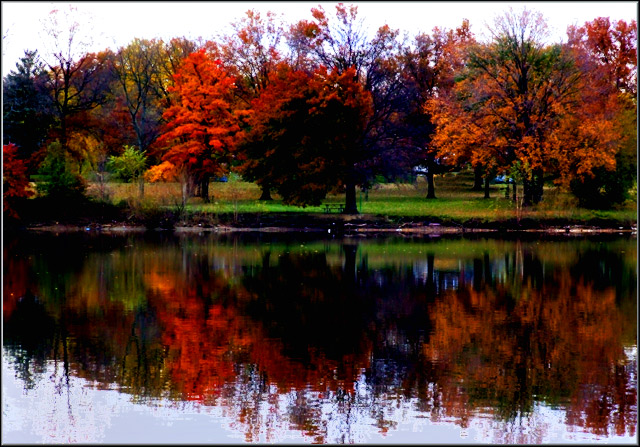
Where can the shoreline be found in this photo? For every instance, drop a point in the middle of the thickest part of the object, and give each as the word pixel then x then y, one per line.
pixel 345 229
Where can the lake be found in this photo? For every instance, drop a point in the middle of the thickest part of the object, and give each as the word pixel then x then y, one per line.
pixel 294 338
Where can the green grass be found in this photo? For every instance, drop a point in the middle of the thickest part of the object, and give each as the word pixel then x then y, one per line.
pixel 455 202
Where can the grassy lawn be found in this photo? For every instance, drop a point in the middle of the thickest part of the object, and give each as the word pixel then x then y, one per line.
pixel 455 201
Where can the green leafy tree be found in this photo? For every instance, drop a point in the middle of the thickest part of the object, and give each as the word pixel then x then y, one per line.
pixel 130 166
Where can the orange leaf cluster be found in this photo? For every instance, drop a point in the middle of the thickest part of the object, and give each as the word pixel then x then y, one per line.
pixel 15 182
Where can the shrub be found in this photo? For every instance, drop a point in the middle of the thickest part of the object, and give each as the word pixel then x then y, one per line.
pixel 15 184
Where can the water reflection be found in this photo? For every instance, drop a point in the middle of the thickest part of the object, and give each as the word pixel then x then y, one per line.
pixel 335 339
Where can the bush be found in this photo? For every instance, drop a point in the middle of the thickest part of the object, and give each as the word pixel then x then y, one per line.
pixel 153 216
pixel 605 190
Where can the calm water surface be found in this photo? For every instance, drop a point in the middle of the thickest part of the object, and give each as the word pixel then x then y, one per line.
pixel 272 338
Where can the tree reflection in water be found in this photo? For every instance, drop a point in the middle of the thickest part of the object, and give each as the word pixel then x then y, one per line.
pixel 329 338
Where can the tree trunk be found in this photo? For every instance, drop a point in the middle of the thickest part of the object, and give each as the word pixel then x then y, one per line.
pixel 351 205
pixel 431 188
pixel 141 186
pixel 538 185
pixel 477 178
pixel 486 186
pixel 532 188
pixel 266 192
pixel 204 189
pixel 184 193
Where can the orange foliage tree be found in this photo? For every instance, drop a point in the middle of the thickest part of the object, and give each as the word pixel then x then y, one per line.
pixel 201 128
pixel 606 55
pixel 520 105
pixel 429 67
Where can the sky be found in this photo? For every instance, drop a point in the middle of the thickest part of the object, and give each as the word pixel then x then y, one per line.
pixel 115 24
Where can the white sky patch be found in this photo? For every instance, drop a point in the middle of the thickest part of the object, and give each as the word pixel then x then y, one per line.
pixel 115 24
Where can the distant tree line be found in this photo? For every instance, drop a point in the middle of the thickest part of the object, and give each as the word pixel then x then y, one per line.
pixel 321 106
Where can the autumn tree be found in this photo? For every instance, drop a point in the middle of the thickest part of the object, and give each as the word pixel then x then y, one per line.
pixel 519 103
pixel 308 127
pixel 340 44
pixel 138 71
pixel 173 54
pixel 78 80
pixel 251 53
pixel 275 116
pixel 199 136
pixel 429 66
pixel 607 56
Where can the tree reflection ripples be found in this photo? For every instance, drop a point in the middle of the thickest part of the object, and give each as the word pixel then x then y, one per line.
pixel 335 338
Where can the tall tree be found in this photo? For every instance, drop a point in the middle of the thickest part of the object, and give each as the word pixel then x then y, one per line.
pixel 308 125
pixel 137 68
pixel 252 53
pixel 78 80
pixel 519 103
pixel 606 54
pixel 428 67
pixel 27 108
pixel 342 44
pixel 201 125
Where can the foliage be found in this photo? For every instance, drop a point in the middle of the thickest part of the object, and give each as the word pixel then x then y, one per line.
pixel 15 182
pixel 201 127
pixel 27 108
pixel 608 54
pixel 60 182
pixel 342 43
pixel 130 165
pixel 77 87
pixel 521 101
pixel 138 71
pixel 308 128
pixel 251 53
pixel 613 47
pixel 326 107
pixel 429 66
